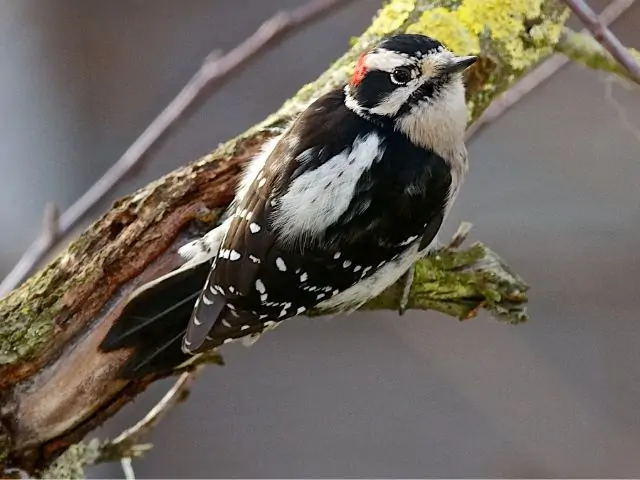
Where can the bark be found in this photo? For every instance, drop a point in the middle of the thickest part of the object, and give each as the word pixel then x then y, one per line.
pixel 54 384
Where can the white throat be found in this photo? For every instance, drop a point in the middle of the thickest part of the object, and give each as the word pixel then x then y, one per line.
pixel 438 124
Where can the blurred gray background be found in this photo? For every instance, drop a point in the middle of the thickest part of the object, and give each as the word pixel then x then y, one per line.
pixel 553 187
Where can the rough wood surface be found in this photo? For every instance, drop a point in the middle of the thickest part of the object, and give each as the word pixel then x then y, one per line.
pixel 54 385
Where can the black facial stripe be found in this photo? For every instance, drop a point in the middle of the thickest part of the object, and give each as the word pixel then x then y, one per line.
pixel 430 89
pixel 374 88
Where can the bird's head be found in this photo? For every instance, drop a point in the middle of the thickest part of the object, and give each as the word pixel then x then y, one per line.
pixel 415 82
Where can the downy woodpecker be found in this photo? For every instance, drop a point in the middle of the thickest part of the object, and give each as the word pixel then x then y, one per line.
pixel 329 214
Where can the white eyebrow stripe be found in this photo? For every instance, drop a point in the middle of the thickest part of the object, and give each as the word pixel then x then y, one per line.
pixel 387 60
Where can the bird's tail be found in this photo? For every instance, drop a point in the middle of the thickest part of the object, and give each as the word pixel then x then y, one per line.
pixel 154 321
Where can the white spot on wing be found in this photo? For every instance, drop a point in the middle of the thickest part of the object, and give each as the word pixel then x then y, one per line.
pixel 196 322
pixel 254 227
pixel 303 277
pixel 260 286
pixel 281 265
pixel 206 247
pixel 233 255
pixel 374 284
pixel 408 240
pixel 346 264
pixel 254 259
pixel 300 310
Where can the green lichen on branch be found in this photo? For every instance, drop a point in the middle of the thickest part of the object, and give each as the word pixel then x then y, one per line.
pixel 73 461
pixel 582 48
pixel 459 283
pixel 27 315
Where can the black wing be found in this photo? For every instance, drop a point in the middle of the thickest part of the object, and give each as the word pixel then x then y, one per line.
pixel 258 276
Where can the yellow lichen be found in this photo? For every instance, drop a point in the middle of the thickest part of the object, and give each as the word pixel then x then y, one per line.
pixel 391 18
pixel 504 24
pixel 446 26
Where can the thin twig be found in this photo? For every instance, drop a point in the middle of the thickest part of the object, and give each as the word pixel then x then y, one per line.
pixel 51 222
pixel 605 37
pixel 513 95
pixel 127 468
pixel 211 75
pixel 538 75
pixel 125 445
pixel 619 108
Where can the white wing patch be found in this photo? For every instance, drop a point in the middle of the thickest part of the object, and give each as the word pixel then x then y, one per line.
pixel 326 191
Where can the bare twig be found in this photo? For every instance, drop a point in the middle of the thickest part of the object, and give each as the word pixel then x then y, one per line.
pixel 51 222
pixel 526 85
pixel 620 110
pixel 582 48
pixel 605 37
pixel 213 73
pixel 127 468
pixel 539 74
pixel 128 443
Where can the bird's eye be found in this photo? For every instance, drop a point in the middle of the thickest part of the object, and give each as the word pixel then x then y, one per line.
pixel 401 75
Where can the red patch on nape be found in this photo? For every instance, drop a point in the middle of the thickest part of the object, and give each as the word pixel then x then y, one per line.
pixel 360 71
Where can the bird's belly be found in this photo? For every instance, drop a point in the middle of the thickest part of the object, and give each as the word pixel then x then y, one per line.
pixel 374 284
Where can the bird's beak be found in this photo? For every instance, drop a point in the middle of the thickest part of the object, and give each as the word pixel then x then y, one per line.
pixel 458 64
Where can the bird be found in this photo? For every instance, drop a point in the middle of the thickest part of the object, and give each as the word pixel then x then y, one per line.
pixel 331 211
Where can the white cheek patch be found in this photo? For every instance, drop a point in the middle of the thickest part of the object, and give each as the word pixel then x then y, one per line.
pixel 398 97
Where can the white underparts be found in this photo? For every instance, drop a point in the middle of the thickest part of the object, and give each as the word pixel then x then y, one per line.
pixel 439 123
pixel 326 191
pixel 372 286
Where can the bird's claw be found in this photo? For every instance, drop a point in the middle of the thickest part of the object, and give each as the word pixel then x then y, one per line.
pixel 407 281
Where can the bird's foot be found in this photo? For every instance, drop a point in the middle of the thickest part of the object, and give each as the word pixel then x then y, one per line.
pixel 407 281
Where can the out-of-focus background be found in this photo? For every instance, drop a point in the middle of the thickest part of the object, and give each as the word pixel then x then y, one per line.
pixel 553 187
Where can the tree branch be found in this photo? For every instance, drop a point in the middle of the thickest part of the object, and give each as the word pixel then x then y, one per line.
pixel 550 66
pixel 56 386
pixel 606 38
pixel 208 79
pixel 582 48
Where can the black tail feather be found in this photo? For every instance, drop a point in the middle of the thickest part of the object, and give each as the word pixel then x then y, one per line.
pixel 154 321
